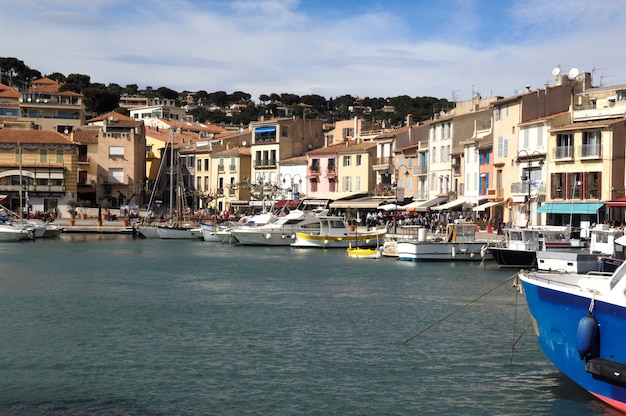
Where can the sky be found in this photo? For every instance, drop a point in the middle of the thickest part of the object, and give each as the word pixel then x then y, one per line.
pixel 449 49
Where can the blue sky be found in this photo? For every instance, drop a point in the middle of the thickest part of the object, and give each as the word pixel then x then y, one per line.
pixel 368 48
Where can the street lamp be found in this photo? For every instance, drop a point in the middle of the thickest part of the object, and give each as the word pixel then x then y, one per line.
pixel 526 176
pixel 395 211
pixel 291 180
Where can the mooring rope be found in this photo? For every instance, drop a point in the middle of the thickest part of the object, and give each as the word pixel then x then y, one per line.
pixel 406 341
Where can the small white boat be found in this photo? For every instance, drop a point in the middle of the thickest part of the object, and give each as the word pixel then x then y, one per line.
pixel 173 232
pixel 45 229
pixel 13 231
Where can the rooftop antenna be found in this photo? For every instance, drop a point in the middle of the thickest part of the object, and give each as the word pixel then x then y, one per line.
pixel 454 96
pixel 594 70
pixel 602 78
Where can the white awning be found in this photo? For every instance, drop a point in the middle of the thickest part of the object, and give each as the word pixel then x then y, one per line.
pixel 466 200
pixel 487 205
pixel 424 205
pixel 363 203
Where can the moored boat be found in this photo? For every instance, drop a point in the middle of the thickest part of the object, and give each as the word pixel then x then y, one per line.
pixel 363 253
pixel 333 232
pixel 279 231
pixel 459 244
pixel 602 252
pixel 580 323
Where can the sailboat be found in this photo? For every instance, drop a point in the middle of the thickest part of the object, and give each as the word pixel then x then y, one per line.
pixel 174 229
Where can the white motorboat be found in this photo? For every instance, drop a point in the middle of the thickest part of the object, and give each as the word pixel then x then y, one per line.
pixel 603 253
pixel 459 244
pixel 13 231
pixel 280 231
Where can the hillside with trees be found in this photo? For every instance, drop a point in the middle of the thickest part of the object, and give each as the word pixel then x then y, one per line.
pixel 212 107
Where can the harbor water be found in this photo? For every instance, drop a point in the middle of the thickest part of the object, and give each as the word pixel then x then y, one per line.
pixel 108 325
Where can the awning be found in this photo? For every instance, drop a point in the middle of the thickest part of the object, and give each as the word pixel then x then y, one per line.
pixel 359 203
pixel 424 205
pixel 589 208
pixel 618 203
pixel 466 200
pixel 487 205
pixel 238 202
pixel 286 203
pixel 268 129
pixel 392 207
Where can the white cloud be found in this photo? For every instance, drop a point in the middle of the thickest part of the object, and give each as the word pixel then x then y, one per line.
pixel 279 46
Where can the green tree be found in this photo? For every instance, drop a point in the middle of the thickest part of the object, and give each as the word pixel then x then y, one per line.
pixel 76 83
pixel 167 93
pixel 100 99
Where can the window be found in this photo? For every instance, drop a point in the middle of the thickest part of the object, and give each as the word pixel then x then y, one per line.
pixel 591 143
pixel 199 182
pixel 60 156
pixel 563 146
pixel 500 146
pixel 116 175
pixel 116 150
pixel 347 133
pixel 206 164
pixel 331 165
pixel 43 155
pixel 358 161
pixel 346 161
pixel 315 165
pixel 199 166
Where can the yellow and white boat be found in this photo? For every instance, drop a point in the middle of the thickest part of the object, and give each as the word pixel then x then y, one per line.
pixel 363 253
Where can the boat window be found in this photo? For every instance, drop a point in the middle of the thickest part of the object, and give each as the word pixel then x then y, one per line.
pixel 337 224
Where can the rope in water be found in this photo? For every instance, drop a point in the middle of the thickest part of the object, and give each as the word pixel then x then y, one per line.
pixel 406 341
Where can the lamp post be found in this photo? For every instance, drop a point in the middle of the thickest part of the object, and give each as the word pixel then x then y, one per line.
pixel 529 159
pixel 395 210
pixel 292 183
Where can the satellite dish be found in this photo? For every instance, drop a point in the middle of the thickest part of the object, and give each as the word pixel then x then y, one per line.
pixel 244 143
pixel 21 100
pixel 573 73
pixel 556 71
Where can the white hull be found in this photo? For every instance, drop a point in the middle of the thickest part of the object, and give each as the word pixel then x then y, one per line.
pixel 254 237
pixel 280 231
pixel 149 231
pixel 167 233
pixel 442 251
pixel 11 234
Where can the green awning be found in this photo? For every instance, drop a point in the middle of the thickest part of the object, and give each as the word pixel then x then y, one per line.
pixel 589 208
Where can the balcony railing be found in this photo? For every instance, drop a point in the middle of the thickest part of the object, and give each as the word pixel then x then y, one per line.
pixel 33 188
pixel 265 163
pixel 590 150
pixel 232 168
pixel 220 168
pixel 522 187
pixel 420 170
pixel 563 152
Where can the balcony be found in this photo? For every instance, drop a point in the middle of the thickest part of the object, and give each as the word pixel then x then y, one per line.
pixel 33 188
pixel 590 151
pixel 264 163
pixel 563 152
pixel 383 163
pixel 232 168
pixel 420 170
pixel 220 169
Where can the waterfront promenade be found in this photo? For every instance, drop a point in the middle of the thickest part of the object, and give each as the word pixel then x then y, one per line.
pixel 90 225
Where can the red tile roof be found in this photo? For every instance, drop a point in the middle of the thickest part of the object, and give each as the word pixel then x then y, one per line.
pixel 34 137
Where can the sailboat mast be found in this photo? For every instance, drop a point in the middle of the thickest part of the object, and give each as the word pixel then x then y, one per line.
pixel 19 150
pixel 171 170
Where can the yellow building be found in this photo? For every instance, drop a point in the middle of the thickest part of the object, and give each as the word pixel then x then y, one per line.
pixel 38 169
